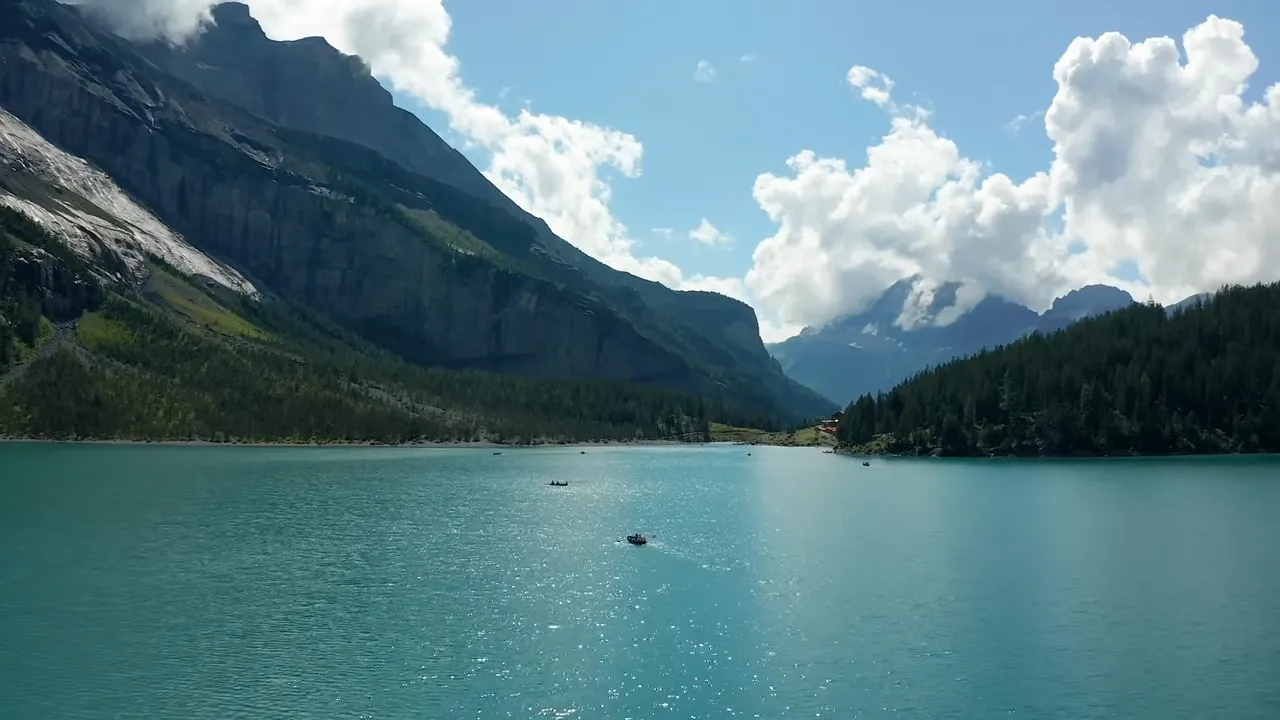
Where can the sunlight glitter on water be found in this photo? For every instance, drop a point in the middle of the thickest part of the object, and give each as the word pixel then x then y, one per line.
pixel 399 585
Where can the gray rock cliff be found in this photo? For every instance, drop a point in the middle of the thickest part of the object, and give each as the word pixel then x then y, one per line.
pixel 309 85
pixel 225 179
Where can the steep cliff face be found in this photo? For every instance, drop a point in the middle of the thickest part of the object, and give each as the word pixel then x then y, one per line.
pixel 91 214
pixel 61 293
pixel 37 285
pixel 227 181
pixel 309 85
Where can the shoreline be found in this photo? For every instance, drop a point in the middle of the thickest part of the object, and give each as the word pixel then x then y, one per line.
pixel 582 444
pixel 1072 456
pixel 477 444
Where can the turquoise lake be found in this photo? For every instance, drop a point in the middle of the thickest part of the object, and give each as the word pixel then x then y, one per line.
pixel 177 582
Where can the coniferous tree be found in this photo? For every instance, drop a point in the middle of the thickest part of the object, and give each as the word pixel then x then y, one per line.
pixel 1204 379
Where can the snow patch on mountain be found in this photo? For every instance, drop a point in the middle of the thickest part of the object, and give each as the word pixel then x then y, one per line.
pixel 93 215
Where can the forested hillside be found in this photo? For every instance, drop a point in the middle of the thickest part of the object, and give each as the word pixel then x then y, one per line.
pixel 871 351
pixel 39 279
pixel 1204 379
pixel 180 361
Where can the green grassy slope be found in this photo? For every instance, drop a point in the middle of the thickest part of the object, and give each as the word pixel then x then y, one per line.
pixel 804 437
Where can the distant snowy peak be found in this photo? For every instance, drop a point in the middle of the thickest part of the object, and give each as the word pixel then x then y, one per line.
pixel 911 304
pixel 915 324
pixel 917 303
pixel 85 208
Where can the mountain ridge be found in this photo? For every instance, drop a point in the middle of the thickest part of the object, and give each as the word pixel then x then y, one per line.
pixel 870 351
pixel 1203 378
pixel 415 264
pixel 236 60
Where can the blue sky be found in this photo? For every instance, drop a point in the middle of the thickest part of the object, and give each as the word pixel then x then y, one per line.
pixel 630 66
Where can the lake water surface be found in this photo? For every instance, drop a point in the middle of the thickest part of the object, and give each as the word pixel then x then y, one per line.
pixel 171 582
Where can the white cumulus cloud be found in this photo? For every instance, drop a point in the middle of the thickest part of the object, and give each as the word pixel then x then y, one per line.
pixel 708 234
pixel 145 19
pixel 874 86
pixel 704 72
pixel 1158 161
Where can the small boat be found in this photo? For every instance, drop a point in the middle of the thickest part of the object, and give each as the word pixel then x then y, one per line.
pixel 637 539
pixel 559 483
pixel 497 453
pixel 866 464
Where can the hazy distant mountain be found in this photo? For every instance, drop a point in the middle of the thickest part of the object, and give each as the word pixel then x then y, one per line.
pixel 1079 304
pixel 873 351
pixel 1189 302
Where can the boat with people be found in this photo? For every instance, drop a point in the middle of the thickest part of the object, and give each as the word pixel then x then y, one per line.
pixel 559 483
pixel 637 539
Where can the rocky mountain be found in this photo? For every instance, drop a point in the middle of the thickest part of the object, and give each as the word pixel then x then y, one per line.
pixel 90 213
pixel 1079 304
pixel 309 85
pixel 284 169
pixel 87 353
pixel 876 349
pixel 1187 304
